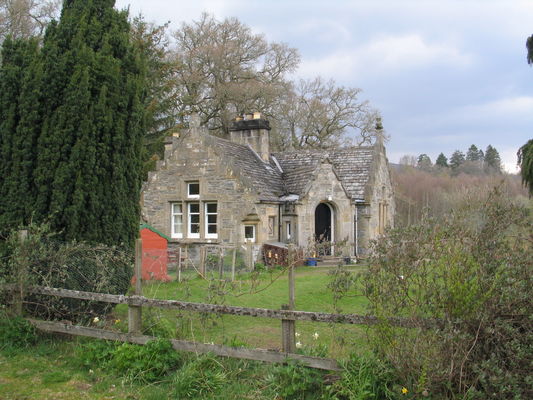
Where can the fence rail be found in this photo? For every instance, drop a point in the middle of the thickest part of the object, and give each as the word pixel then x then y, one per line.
pixel 136 302
pixel 292 315
pixel 182 345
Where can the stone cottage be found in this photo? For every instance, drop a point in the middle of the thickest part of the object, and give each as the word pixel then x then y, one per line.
pixel 209 190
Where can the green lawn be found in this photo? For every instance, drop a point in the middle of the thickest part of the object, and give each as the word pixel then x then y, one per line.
pixel 268 290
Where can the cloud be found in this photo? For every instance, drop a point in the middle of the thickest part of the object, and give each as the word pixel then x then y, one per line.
pixel 386 54
pixel 519 106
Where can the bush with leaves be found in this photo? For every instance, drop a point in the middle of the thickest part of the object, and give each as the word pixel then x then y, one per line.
pixel 15 333
pixel 293 381
pixel 199 378
pixel 40 259
pixel 470 273
pixel 147 363
pixel 363 378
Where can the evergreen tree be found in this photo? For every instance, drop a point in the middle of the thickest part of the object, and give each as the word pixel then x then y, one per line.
pixel 492 160
pixel 424 162
pixel 473 154
pixel 525 161
pixel 17 146
pixel 441 161
pixel 87 111
pixel 457 159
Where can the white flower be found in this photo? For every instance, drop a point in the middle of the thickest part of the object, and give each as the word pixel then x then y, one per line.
pixel 315 335
pixel 401 277
pixel 298 345
pixel 96 320
pixel 297 334
pixel 91 371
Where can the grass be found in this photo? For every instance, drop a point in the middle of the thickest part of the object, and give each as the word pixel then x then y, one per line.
pixel 267 290
pixel 52 369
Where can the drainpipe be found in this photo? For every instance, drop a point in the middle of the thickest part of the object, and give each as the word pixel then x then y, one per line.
pixel 279 222
pixel 356 236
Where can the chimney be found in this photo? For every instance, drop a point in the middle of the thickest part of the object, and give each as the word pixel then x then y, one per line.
pixel 253 130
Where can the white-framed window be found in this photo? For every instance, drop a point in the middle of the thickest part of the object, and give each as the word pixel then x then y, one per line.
pixel 176 220
pixel 193 190
pixel 249 233
pixel 211 217
pixel 288 230
pixel 193 230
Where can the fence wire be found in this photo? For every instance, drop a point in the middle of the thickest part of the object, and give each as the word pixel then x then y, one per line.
pixel 37 261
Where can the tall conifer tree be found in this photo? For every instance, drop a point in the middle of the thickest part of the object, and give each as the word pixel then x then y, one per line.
pixel 17 146
pixel 84 125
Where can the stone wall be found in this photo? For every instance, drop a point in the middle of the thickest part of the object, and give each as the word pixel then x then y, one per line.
pixel 187 159
pixel 379 191
pixel 326 188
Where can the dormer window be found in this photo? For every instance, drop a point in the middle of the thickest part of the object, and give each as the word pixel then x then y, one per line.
pixel 193 190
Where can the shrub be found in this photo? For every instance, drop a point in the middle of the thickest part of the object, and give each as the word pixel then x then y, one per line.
pixel 197 379
pixel 40 260
pixel 363 378
pixel 293 381
pixel 15 333
pixel 147 363
pixel 96 353
pixel 471 272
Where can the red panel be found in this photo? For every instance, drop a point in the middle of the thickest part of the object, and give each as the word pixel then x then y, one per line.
pixel 154 256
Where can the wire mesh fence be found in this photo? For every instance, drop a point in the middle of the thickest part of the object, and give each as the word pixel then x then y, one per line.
pixel 34 260
pixel 224 277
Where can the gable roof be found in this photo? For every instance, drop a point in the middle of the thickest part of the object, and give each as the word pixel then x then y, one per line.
pixel 352 165
pixel 264 177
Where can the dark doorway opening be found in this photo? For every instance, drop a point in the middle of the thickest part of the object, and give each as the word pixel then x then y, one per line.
pixel 323 228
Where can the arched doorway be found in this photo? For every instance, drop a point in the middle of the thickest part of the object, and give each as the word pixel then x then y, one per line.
pixel 324 232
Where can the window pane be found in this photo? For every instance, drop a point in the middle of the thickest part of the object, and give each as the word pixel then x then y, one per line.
pixel 194 208
pixel 212 219
pixel 176 208
pixel 249 232
pixel 194 188
pixel 195 219
pixel 195 228
pixel 211 229
pixel 211 208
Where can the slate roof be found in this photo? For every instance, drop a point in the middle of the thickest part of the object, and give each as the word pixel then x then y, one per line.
pixel 352 166
pixel 265 177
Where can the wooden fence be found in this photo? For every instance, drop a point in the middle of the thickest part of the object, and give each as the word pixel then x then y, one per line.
pixel 136 302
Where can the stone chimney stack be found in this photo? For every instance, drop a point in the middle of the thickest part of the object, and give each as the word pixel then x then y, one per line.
pixel 253 130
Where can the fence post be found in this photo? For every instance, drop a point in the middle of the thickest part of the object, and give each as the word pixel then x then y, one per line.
pixel 202 261
pixel 288 331
pixel 233 263
pixel 179 264
pixel 22 271
pixel 291 263
pixel 135 312
pixel 221 263
pixel 250 256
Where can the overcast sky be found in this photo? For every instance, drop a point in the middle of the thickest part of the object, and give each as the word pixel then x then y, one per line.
pixel 445 74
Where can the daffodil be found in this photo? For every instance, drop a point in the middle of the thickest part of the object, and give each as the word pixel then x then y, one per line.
pixel 404 390
pixel 298 345
pixel 297 334
pixel 96 320
pixel 315 335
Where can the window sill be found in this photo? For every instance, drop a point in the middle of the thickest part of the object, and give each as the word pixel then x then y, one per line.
pixel 194 241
